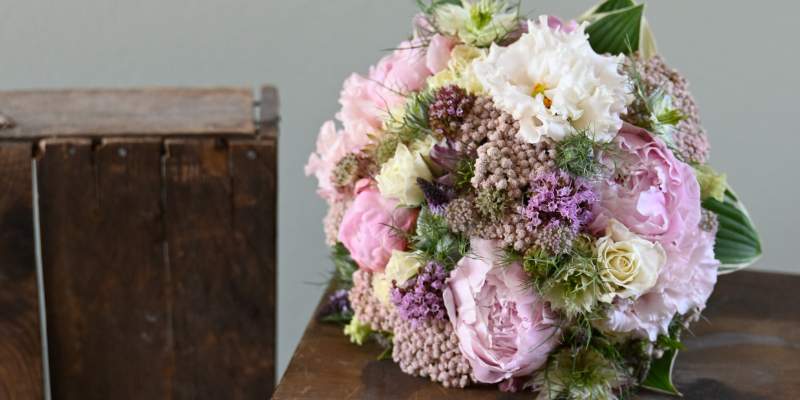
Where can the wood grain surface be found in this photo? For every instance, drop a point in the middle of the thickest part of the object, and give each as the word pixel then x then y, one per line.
pixel 20 339
pixel 128 112
pixel 219 225
pixel 747 348
pixel 106 283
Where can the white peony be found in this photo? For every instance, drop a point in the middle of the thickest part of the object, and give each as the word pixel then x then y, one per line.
pixel 554 83
pixel 398 176
pixel 629 264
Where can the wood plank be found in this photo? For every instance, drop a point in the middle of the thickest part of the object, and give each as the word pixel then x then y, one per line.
pixel 128 112
pixel 106 283
pixel 218 230
pixel 269 104
pixel 747 349
pixel 20 339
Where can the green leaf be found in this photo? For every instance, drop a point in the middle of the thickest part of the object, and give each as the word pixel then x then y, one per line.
pixel 738 244
pixel 659 378
pixel 618 31
pixel 613 5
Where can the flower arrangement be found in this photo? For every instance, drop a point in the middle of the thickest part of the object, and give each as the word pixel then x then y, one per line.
pixel 526 203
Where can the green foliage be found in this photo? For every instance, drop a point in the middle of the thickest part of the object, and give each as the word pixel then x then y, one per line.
pixel 433 240
pixel 579 373
pixel 618 30
pixel 738 244
pixel 659 377
pixel 338 318
pixel 344 266
pixel 464 172
pixel 654 107
pixel 412 124
pixel 492 203
pixel 571 282
pixel 386 147
pixel 712 183
pixel 357 331
pixel 576 155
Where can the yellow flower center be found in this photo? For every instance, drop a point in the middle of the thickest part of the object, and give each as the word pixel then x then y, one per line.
pixel 540 89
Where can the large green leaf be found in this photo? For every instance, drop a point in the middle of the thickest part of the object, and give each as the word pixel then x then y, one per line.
pixel 659 378
pixel 613 5
pixel 738 244
pixel 618 31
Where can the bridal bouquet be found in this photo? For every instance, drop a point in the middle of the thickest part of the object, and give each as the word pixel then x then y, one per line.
pixel 526 202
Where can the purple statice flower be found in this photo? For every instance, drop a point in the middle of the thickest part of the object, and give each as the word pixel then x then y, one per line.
pixel 420 298
pixel 436 194
pixel 338 304
pixel 558 208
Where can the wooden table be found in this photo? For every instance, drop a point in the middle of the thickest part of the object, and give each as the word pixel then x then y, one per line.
pixel 747 348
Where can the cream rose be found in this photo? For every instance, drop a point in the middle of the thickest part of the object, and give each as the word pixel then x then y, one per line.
pixel 398 176
pixel 402 266
pixel 628 263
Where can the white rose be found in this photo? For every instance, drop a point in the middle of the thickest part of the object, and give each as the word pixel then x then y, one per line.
pixel 402 266
pixel 628 263
pixel 398 177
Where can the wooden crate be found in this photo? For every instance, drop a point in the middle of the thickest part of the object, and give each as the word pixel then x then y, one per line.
pixel 156 213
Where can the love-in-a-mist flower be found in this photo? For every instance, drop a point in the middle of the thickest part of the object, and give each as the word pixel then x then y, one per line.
pixel 477 22
pixel 554 83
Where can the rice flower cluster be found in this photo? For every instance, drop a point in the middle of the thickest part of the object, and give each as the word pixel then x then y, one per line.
pixel 524 203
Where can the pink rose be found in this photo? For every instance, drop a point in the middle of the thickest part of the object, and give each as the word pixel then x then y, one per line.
pixel 332 146
pixel 366 102
pixel 504 328
pixel 368 229
pixel 657 197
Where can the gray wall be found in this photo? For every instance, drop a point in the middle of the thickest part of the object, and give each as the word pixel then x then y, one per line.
pixel 743 63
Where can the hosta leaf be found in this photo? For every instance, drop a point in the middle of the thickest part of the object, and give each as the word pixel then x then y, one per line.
pixel 618 31
pixel 738 244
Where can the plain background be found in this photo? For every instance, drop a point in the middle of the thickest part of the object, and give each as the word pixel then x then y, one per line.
pixel 742 62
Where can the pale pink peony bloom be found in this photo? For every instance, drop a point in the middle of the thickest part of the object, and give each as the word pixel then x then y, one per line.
pixel 685 284
pixel 658 198
pixel 367 101
pixel 332 146
pixel 504 328
pixel 369 228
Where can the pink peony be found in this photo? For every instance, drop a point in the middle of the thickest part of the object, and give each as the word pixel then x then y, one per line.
pixel 657 197
pixel 504 328
pixel 685 284
pixel 366 101
pixel 332 146
pixel 368 229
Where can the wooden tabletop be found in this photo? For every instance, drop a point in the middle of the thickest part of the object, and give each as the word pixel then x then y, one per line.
pixel 748 347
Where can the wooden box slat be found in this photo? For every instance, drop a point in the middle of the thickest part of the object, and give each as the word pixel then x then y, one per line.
pixel 219 228
pixel 20 343
pixel 746 348
pixel 128 112
pixel 106 283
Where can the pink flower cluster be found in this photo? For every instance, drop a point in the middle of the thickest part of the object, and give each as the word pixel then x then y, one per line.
pixel 657 197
